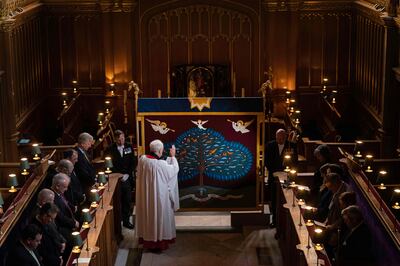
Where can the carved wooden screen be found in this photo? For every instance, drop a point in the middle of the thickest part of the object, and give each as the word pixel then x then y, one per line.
pixel 198 35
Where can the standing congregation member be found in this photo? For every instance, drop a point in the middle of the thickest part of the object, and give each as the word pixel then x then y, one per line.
pixel 75 193
pixel 124 162
pixel 274 152
pixel 84 168
pixel 335 184
pixel 356 246
pixel 24 252
pixel 156 198
pixel 65 219
pixel 49 248
pixel 46 196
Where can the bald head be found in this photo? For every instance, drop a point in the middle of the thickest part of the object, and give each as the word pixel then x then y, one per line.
pixel 280 136
pixel 45 196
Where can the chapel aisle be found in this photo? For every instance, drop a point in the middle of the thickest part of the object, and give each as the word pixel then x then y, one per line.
pixel 201 245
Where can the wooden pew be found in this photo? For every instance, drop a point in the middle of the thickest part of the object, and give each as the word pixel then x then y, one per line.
pixel 104 238
pixel 369 146
pixel 21 200
pixel 294 239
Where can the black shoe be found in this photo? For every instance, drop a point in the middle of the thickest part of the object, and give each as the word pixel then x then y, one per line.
pixel 128 225
pixel 272 225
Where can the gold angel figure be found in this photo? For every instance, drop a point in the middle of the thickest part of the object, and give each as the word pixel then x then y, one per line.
pixel 240 126
pixel 159 126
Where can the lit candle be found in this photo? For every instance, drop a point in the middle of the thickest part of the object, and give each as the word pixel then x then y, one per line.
pixel 288 95
pixel 357 149
pixel 64 98
pixel 75 85
pixel 286 162
pixel 292 176
pixel 395 199
pixel 112 88
pixel 108 164
pixel 159 93
pixel 36 152
pixel 24 165
pixel 107 104
pixel 368 163
pixel 382 186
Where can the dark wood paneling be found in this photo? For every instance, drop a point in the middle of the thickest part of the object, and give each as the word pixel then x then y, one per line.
pixel 27 66
pixel 75 51
pixel 198 34
pixel 369 63
pixel 324 50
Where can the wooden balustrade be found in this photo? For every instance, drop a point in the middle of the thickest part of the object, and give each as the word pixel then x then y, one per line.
pixel 14 209
pixel 382 219
pixel 104 238
pixel 369 146
pixel 294 239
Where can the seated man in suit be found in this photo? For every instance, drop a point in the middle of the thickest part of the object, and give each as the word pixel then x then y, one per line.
pixel 65 220
pixel 356 245
pixel 274 153
pixel 324 196
pixel 24 252
pixel 49 249
pixel 323 155
pixel 124 162
pixel 84 168
pixel 335 184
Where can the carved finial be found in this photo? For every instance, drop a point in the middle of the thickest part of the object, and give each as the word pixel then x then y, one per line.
pixel 266 86
pixel 269 73
pixel 135 87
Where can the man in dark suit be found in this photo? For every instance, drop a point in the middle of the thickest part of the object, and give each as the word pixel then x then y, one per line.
pixel 274 153
pixel 84 168
pixel 65 220
pixel 24 252
pixel 49 249
pixel 124 162
pixel 335 184
pixel 356 244
pixel 75 193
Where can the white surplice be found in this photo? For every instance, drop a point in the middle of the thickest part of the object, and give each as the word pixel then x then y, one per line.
pixel 156 198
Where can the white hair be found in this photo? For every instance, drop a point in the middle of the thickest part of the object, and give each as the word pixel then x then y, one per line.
pixel 84 137
pixel 65 166
pixel 45 195
pixel 156 146
pixel 281 131
pixel 60 178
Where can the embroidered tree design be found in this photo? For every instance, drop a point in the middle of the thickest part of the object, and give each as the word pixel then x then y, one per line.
pixel 207 153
